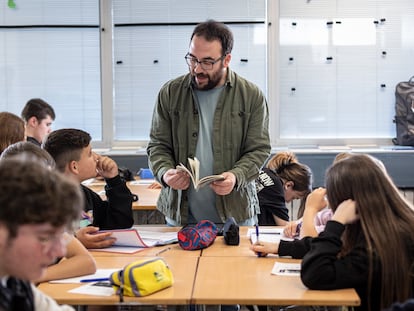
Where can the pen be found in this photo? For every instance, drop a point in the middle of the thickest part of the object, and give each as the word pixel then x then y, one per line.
pixel 259 254
pixel 162 251
pixel 94 280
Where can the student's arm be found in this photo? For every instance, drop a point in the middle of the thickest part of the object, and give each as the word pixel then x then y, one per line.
pixel 315 202
pixel 295 249
pixel 323 270
pixel 116 211
pixel 78 261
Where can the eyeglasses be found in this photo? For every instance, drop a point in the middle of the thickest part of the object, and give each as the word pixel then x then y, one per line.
pixel 205 64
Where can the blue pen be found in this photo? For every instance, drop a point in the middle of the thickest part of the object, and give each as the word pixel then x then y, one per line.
pixel 94 280
pixel 257 239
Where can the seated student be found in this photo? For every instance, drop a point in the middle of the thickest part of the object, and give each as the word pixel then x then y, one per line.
pixel 282 180
pixel 35 213
pixel 314 218
pixel 77 261
pixel 11 129
pixel 72 151
pixel 354 250
pixel 39 116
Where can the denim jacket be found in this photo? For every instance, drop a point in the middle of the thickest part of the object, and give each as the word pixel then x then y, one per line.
pixel 240 143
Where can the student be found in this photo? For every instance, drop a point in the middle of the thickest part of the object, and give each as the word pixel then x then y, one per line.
pixel 11 129
pixel 39 116
pixel 220 118
pixel 282 180
pixel 35 213
pixel 72 151
pixel 368 244
pixel 314 218
pixel 77 261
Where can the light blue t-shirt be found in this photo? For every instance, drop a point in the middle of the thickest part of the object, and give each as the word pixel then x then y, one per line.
pixel 202 203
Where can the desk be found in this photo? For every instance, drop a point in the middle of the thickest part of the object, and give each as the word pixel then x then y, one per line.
pixel 147 198
pixel 174 250
pixel 220 274
pixel 248 281
pixel 183 269
pixel 220 248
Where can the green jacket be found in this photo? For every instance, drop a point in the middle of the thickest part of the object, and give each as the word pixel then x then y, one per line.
pixel 240 143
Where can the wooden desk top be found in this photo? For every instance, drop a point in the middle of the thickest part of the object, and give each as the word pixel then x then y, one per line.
pixel 220 248
pixel 248 281
pixel 147 198
pixel 171 250
pixel 183 269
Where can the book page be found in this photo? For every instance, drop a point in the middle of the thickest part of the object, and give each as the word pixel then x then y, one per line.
pixel 195 174
pixel 182 167
pixel 209 179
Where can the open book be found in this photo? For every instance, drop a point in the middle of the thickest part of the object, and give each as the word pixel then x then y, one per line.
pixel 194 173
pixel 131 240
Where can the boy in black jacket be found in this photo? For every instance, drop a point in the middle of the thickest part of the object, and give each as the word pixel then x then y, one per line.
pixel 73 154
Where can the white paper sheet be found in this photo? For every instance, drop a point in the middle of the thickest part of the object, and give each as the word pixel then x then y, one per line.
pixel 99 274
pixel 286 268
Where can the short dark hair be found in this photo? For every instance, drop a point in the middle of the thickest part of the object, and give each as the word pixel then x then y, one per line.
pixel 31 193
pixel 213 30
pixel 65 145
pixel 29 149
pixel 37 107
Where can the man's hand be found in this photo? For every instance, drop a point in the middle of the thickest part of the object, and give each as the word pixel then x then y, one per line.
pixel 176 179
pixel 106 167
pixel 224 187
pixel 90 239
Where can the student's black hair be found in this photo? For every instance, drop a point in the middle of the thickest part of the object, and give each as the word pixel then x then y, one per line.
pixel 37 107
pixel 66 145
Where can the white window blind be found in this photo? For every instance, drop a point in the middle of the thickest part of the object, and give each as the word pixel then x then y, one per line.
pixel 339 64
pixel 151 39
pixel 50 49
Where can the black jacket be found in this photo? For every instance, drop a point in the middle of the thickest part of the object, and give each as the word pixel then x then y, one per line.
pixel 116 211
pixel 271 197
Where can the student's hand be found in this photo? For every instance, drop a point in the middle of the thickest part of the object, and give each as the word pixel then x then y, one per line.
pixel 291 229
pixel 176 179
pixel 224 187
pixel 106 167
pixel 155 185
pixel 316 200
pixel 346 213
pixel 265 248
pixel 90 239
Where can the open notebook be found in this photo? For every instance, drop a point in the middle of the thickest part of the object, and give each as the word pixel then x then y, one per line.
pixel 133 240
pixel 272 235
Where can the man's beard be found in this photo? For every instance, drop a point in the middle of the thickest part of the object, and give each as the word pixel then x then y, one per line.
pixel 213 80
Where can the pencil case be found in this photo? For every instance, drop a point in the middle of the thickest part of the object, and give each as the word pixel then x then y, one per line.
pixel 142 277
pixel 198 236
